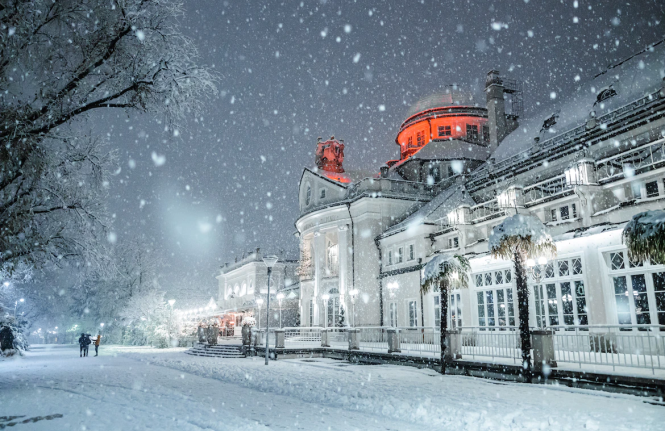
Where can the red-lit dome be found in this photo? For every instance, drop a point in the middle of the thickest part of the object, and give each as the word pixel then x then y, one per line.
pixel 451 114
pixel 329 159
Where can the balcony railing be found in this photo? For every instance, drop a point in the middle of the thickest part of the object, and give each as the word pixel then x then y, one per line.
pixel 551 188
pixel 485 211
pixel 631 162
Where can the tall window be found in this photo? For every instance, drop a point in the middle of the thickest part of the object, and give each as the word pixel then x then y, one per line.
pixel 392 313
pixel 390 257
pixel 243 289
pixel 455 307
pixel 322 193
pixel 639 290
pixel 250 289
pixel 333 311
pixel 472 132
pixel 437 311
pixel 409 142
pixel 332 257
pixel 486 134
pixel 308 195
pixel 420 138
pixel 413 313
pixel 412 252
pixel 444 131
pixel 496 305
pixel 400 255
pixel 560 296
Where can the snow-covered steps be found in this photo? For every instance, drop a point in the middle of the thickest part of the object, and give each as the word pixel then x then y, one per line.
pixel 217 351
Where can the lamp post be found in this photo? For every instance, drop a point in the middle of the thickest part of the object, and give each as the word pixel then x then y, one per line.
pixel 16 305
pixel 325 298
pixel 270 261
pixel 354 294
pixel 259 303
pixel 280 296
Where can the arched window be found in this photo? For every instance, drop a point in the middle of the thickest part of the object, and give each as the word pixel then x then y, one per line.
pixel 250 290
pixel 332 257
pixel 308 195
pixel 243 289
pixel 236 290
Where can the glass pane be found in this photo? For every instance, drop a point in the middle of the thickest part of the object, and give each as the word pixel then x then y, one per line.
pixel 507 275
pixel 617 260
pixel 549 270
pixel 480 298
pixel 563 268
pixel 580 298
pixel 621 298
pixel 479 279
pixel 577 266
pixel 499 277
pixel 488 279
pixel 640 298
pixel 566 298
pixel 552 304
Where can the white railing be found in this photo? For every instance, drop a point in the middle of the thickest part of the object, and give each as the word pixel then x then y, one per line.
pixel 486 210
pixel 373 338
pixel 626 163
pixel 547 189
pixel 479 342
pixel 635 346
pixel 420 341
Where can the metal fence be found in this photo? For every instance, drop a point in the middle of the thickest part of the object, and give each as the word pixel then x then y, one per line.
pixel 420 341
pixel 480 342
pixel 635 346
pixel 373 338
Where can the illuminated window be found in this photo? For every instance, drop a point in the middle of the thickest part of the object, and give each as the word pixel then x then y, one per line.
pixel 413 313
pixel 409 142
pixel 445 131
pixel 472 132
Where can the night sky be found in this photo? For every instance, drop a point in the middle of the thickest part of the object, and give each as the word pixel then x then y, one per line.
pixel 289 72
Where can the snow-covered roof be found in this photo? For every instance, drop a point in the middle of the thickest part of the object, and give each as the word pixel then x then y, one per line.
pixel 635 77
pixel 437 208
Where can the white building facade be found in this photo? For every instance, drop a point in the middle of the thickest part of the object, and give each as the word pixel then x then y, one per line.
pixel 584 169
pixel 243 292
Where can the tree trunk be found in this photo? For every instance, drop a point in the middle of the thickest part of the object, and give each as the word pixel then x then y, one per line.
pixel 523 310
pixel 443 302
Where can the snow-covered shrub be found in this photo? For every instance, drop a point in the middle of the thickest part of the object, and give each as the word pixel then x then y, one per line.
pixel 12 335
pixel 248 321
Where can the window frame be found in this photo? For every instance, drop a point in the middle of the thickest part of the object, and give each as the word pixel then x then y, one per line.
pixel 411 252
pixel 412 318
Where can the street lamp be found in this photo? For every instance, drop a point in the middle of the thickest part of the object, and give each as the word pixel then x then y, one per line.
pixel 6 284
pixel 16 306
pixel 270 261
pixel 354 294
pixel 259 303
pixel 325 298
pixel 280 296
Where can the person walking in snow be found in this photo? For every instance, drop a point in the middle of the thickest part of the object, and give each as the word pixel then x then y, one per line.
pixel 97 340
pixel 84 342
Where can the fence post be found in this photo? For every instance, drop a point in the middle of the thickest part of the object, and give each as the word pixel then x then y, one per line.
pixel 324 338
pixel 543 350
pixel 279 338
pixel 354 343
pixel 453 338
pixel 393 340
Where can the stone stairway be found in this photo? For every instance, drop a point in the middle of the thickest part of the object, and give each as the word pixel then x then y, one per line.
pixel 216 351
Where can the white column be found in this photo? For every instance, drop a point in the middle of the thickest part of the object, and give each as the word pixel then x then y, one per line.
pixel 319 267
pixel 343 264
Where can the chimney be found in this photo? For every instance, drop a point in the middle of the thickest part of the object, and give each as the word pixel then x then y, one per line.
pixel 384 171
pixel 496 109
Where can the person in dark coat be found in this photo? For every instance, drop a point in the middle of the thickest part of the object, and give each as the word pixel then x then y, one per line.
pixel 84 342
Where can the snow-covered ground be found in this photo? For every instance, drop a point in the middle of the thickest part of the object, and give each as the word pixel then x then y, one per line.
pixel 142 388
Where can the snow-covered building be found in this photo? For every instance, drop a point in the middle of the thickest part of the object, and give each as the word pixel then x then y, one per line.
pixel 243 289
pixel 583 167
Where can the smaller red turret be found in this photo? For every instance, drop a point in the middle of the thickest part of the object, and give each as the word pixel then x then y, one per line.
pixel 330 155
pixel 329 159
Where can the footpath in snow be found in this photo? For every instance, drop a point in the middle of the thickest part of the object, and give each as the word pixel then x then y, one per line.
pixel 141 388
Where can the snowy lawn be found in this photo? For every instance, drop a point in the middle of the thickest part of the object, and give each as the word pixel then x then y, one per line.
pixel 142 388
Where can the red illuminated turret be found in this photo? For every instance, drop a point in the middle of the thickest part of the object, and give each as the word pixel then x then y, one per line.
pixel 329 159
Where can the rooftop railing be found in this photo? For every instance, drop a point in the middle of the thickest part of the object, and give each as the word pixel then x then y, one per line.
pixel 552 188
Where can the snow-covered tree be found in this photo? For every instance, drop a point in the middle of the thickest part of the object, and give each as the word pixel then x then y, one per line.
pixel 59 62
pixel 519 238
pixel 443 273
pixel 644 235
